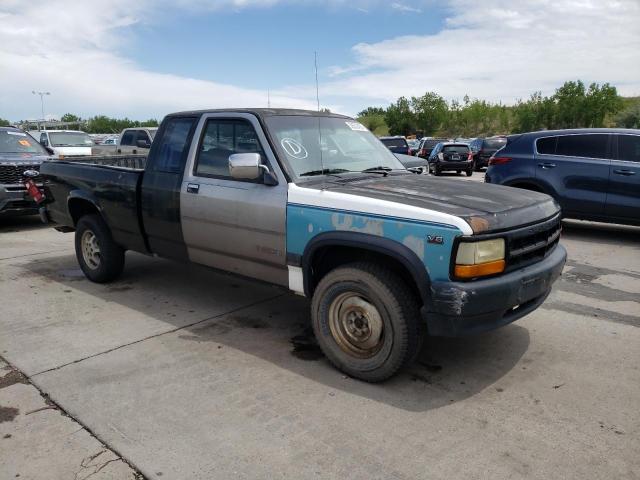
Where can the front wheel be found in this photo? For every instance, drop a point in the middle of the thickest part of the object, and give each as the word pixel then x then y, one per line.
pixel 366 321
pixel 100 258
pixel 469 172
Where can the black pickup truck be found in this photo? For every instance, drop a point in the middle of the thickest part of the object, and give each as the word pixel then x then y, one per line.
pixel 313 202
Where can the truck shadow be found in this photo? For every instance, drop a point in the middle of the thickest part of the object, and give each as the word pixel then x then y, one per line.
pixel 21 223
pixel 276 330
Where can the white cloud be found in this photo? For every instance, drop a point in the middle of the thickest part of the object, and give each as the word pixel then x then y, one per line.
pixel 503 50
pixel 67 47
pixel 495 49
pixel 405 8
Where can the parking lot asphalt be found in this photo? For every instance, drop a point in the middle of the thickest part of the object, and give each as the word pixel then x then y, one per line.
pixel 184 372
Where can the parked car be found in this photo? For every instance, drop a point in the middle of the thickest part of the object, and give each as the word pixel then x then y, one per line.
pixel 484 148
pixel 415 164
pixel 18 152
pixel 447 157
pixel 396 144
pixel 594 174
pixel 384 255
pixel 136 140
pixel 68 143
pixel 426 146
pixel 413 146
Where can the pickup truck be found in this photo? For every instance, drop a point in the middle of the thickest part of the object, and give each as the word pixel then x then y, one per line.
pixel 314 203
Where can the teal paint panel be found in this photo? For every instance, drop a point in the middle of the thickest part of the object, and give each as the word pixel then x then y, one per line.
pixel 305 222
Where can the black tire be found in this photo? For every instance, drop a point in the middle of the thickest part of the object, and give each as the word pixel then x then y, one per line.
pixel 397 310
pixel 458 171
pixel 107 265
pixel 436 170
pixel 469 172
pixel 477 167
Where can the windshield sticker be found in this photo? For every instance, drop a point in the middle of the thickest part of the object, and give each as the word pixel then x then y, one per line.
pixel 293 148
pixel 358 127
pixel 19 134
pixel 24 143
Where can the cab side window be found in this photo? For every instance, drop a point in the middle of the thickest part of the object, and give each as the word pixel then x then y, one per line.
pixel 173 146
pixel 587 146
pixel 221 139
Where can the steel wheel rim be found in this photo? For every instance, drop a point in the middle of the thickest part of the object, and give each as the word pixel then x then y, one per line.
pixel 356 325
pixel 90 249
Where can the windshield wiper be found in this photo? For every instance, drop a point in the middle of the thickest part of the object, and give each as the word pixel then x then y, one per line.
pixel 326 171
pixel 381 170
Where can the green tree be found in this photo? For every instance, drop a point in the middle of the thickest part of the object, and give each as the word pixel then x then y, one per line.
pixel 4 123
pixel 629 117
pixel 600 102
pixel 371 111
pixel 70 117
pixel 399 118
pixel 430 111
pixel 374 122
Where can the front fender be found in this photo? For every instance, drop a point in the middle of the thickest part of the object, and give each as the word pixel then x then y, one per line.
pixel 367 242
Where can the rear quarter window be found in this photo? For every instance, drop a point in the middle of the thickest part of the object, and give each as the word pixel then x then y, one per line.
pixel 629 148
pixel 546 146
pixel 456 149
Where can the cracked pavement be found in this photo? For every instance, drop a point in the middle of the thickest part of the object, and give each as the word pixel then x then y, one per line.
pixel 176 371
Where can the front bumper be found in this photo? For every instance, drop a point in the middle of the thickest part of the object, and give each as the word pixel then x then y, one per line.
pixel 16 201
pixel 464 308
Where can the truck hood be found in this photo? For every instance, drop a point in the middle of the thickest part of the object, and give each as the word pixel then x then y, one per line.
pixel 72 151
pixel 486 208
pixel 22 158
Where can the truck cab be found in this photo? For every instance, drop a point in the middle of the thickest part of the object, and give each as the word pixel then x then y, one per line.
pixel 314 203
pixel 136 140
pixel 66 143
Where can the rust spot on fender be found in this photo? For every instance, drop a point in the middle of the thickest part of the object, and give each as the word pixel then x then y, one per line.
pixel 478 224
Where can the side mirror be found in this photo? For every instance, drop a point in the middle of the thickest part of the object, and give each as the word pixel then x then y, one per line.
pixel 44 142
pixel 143 144
pixel 50 150
pixel 441 156
pixel 248 166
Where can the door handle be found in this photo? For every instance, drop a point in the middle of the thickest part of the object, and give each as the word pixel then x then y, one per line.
pixel 624 172
pixel 547 165
pixel 193 187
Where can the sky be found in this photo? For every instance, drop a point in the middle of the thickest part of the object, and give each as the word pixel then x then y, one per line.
pixel 143 59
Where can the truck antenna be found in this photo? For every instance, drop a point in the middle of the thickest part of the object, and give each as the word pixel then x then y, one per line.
pixel 268 98
pixel 317 89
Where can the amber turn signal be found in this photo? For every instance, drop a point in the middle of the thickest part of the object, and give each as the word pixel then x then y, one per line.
pixel 479 270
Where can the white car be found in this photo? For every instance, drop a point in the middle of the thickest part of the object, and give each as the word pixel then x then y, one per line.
pixel 68 143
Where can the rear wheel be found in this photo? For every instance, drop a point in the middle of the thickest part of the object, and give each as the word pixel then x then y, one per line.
pixel 469 171
pixel 100 258
pixel 366 321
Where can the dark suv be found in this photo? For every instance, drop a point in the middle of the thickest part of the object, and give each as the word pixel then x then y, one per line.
pixel 427 145
pixel 593 173
pixel 18 152
pixel 396 144
pixel 447 157
pixel 484 148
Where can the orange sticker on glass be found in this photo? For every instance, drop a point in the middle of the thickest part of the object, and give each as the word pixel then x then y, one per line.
pixel 24 143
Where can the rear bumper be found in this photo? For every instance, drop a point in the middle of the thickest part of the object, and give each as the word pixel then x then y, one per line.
pixel 464 308
pixel 16 202
pixel 461 165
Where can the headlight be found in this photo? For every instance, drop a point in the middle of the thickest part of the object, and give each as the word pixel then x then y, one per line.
pixel 476 259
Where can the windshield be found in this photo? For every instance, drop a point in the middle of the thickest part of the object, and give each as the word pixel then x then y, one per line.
pixel 494 143
pixel 70 139
pixel 13 141
pixel 315 145
pixel 394 142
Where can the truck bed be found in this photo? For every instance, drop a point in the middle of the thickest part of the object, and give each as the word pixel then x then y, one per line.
pixel 110 183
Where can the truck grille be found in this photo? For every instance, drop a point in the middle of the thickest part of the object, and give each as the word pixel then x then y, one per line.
pixel 531 244
pixel 12 174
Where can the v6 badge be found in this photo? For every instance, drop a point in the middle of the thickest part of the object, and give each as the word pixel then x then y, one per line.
pixel 437 239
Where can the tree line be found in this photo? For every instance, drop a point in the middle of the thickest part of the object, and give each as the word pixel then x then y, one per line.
pixel 573 105
pixel 104 124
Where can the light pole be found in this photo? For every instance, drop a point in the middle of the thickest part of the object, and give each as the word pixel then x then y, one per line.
pixel 42 94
